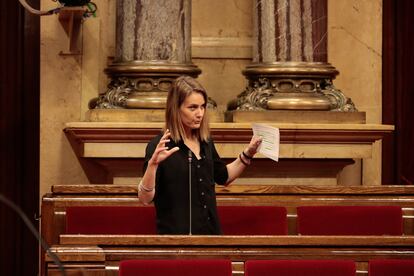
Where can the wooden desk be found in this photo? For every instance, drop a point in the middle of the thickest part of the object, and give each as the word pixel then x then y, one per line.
pixel 308 152
pixel 103 252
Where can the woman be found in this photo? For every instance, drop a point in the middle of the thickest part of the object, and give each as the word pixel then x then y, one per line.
pixel 186 143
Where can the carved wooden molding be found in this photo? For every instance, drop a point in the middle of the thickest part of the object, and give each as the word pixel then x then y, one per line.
pixel 258 241
pixel 244 189
pixel 226 135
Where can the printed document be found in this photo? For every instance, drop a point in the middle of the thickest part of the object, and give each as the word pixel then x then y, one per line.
pixel 270 140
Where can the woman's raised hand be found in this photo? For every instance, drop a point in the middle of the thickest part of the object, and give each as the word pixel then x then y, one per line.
pixel 161 151
pixel 253 146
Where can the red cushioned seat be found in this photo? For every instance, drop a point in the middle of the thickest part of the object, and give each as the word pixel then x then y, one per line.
pixel 110 220
pixel 391 267
pixel 213 267
pixel 299 268
pixel 349 220
pixel 253 220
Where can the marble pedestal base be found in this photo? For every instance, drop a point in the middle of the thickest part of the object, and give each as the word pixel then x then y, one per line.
pixel 293 116
pixel 139 115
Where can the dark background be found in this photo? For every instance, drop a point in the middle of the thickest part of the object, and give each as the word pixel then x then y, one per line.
pixel 398 91
pixel 19 105
pixel 19 139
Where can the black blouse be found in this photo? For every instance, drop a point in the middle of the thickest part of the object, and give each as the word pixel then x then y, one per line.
pixel 171 198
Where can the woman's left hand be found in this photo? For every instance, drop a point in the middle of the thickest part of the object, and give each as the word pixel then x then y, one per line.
pixel 253 146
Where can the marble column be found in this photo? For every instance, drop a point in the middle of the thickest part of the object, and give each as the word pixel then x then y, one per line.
pixel 153 47
pixel 289 68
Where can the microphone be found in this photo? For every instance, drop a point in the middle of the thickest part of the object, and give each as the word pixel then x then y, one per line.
pixel 29 225
pixel 190 158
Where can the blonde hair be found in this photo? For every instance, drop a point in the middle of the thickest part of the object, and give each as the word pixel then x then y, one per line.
pixel 181 88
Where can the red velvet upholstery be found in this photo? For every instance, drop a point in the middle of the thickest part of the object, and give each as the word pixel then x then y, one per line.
pixel 210 267
pixel 391 267
pixel 253 220
pixel 350 220
pixel 299 268
pixel 110 220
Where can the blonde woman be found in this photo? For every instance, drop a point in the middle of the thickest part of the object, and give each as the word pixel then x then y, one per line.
pixel 186 142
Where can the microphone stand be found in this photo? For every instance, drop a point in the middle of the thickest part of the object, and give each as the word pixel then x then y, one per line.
pixel 190 158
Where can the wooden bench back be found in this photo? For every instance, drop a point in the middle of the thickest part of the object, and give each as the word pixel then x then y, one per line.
pixel 54 204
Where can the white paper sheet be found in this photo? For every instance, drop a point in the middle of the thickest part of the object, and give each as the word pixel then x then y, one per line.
pixel 270 140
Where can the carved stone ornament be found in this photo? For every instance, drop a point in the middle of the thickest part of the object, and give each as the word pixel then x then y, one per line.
pixel 254 97
pixel 142 93
pixel 338 99
pixel 115 96
pixel 141 85
pixel 124 92
pixel 291 86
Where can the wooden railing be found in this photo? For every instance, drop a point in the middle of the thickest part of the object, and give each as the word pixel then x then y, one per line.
pixel 103 253
pixel 54 204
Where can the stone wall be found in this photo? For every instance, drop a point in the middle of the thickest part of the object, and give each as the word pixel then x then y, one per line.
pixel 222 40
